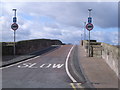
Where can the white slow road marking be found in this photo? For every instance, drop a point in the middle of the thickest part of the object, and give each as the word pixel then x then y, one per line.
pixel 48 65
pixel 20 62
pixel 34 65
pixel 57 65
pixel 29 65
pixel 66 66
pixel 42 65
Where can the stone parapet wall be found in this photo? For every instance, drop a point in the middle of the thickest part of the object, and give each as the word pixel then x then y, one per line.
pixel 108 52
pixel 28 46
pixel 110 55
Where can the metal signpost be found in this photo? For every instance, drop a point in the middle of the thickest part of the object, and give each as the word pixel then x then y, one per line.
pixel 81 37
pixel 84 31
pixel 89 27
pixel 14 26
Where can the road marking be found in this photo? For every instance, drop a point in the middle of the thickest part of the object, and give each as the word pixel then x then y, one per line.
pixel 42 65
pixel 73 86
pixel 79 85
pixel 23 66
pixel 48 65
pixel 57 65
pixel 20 62
pixel 66 65
pixel 33 65
pixel 29 65
pixel 76 85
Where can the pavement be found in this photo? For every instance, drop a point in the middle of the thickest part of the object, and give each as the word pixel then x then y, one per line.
pixel 76 71
pixel 96 71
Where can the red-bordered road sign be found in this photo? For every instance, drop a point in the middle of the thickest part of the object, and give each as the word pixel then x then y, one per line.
pixel 89 26
pixel 14 26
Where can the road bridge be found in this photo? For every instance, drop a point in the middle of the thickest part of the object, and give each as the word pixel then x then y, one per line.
pixel 64 67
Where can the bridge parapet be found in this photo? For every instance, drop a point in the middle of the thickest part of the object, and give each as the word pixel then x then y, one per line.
pixel 28 46
pixel 110 55
pixel 108 52
pixel 95 47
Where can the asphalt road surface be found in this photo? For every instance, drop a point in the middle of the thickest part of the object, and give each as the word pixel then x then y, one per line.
pixel 44 71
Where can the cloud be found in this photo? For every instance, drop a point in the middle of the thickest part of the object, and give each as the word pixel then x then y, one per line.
pixel 105 15
pixel 59 20
pixel 110 37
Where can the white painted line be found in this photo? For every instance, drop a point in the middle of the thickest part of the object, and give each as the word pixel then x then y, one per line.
pixel 34 65
pixel 19 62
pixel 66 66
pixel 42 65
pixel 79 85
pixel 48 65
pixel 27 65
pixel 57 65
pixel 73 86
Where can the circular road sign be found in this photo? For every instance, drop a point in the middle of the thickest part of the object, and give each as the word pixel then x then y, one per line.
pixel 14 26
pixel 89 26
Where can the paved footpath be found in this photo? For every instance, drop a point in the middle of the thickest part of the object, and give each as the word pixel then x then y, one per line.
pixel 97 71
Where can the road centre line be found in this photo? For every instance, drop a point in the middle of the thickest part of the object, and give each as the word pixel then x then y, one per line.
pixel 20 62
pixel 66 65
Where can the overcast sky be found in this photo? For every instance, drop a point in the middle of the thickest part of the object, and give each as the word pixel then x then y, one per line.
pixel 60 20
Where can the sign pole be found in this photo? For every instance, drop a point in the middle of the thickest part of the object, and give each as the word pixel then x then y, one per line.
pixel 89 32
pixel 81 37
pixel 14 26
pixel 14 42
pixel 89 27
pixel 84 31
pixel 89 45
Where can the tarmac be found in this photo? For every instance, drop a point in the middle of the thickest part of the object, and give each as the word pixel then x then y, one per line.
pixel 97 71
pixel 19 58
